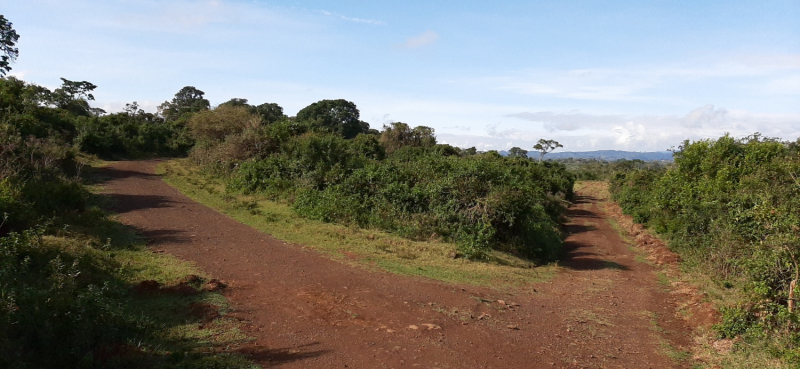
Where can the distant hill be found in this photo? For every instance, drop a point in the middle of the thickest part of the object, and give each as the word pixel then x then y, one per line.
pixel 609 155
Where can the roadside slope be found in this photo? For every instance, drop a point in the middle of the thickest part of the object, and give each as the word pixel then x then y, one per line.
pixel 605 309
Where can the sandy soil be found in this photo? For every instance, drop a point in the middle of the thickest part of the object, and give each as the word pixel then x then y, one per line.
pixel 604 309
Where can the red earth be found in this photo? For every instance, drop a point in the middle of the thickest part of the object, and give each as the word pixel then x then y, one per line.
pixel 603 309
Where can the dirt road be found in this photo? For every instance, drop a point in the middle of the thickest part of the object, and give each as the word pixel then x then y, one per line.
pixel 604 309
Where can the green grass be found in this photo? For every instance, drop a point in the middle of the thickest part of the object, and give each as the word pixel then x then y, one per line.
pixel 365 247
pixel 663 280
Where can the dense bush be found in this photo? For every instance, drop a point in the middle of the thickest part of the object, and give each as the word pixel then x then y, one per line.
pixel 398 135
pixel 131 135
pixel 478 202
pixel 732 208
pixel 64 114
pixel 65 299
pixel 597 170
pixel 336 116
pixel 55 304
pixel 400 181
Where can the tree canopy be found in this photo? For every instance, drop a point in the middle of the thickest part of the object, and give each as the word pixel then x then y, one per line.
pixel 516 152
pixel 270 112
pixel 340 116
pixel 546 146
pixel 399 134
pixel 8 41
pixel 188 100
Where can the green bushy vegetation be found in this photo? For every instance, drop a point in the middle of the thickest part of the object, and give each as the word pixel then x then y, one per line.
pixel 731 209
pixel 66 276
pixel 332 167
pixel 66 268
pixel 34 112
pixel 597 169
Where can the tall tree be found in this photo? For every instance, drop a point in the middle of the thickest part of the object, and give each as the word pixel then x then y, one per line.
pixel 339 116
pixel 270 112
pixel 8 41
pixel 517 152
pixel 75 96
pixel 188 100
pixel 399 134
pixel 546 146
pixel 237 102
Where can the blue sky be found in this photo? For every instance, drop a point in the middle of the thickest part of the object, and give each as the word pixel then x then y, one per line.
pixel 628 75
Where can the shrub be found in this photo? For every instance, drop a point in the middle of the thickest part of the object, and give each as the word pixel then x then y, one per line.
pixel 55 308
pixel 480 203
pixel 215 125
pixel 730 207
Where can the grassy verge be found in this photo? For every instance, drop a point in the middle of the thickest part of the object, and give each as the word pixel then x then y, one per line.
pixel 366 247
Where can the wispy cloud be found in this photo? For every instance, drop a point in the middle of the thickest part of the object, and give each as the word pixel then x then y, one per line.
pixel 648 132
pixel 765 74
pixel 177 16
pixel 423 39
pixel 190 17
pixel 353 19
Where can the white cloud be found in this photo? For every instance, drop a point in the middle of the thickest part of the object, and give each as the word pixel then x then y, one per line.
pixel 186 16
pixel 353 19
pixel 566 121
pixel 705 116
pixel 786 85
pixel 423 39
pixel 772 74
pixel 492 128
pixel 177 16
pixel 585 132
pixel 18 74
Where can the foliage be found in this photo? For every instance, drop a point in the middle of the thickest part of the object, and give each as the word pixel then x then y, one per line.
pixel 225 120
pixel 399 134
pixel 186 101
pixel 545 146
pixel 596 169
pixel 517 152
pixel 404 182
pixel 52 302
pixel 33 112
pixel 731 208
pixel 337 116
pixel 8 39
pixel 268 112
pixel 66 269
pixel 132 135
pixel 428 258
pixel 480 202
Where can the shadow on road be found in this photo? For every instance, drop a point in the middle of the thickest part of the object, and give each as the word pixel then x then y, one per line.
pixel 278 356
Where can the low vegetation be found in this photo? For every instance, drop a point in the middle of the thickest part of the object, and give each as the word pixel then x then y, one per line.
pixel 71 278
pixel 70 273
pixel 78 289
pixel 603 170
pixel 729 207
pixel 329 166
pixel 368 248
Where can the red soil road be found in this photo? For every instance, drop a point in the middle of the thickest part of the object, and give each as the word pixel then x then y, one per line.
pixel 604 309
